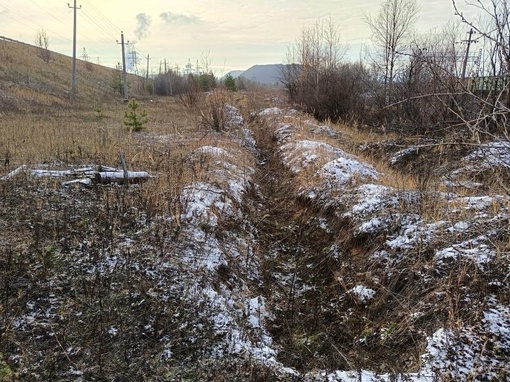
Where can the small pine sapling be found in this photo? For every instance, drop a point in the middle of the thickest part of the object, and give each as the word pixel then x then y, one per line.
pixel 132 119
pixel 99 111
pixel 230 83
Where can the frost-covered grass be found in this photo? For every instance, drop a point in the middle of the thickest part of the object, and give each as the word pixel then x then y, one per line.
pixel 265 251
pixel 427 259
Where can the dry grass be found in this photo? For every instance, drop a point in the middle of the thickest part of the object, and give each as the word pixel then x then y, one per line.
pixel 31 84
pixel 43 123
pixel 93 133
pixel 59 132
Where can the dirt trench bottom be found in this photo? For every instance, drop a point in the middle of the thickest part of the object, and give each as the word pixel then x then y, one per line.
pixel 305 255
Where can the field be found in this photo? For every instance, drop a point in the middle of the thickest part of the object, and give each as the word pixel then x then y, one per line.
pixel 263 245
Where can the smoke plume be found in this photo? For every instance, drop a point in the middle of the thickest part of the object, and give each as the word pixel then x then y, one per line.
pixel 142 28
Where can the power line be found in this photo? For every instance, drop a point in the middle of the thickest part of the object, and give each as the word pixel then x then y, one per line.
pixel 21 18
pixel 109 35
pixel 109 23
pixel 48 13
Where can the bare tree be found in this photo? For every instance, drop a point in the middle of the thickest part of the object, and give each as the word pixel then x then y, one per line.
pixel 317 79
pixel 42 41
pixel 427 87
pixel 391 29
pixel 206 61
pixel 495 30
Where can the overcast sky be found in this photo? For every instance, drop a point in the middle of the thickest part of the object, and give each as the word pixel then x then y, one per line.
pixel 228 34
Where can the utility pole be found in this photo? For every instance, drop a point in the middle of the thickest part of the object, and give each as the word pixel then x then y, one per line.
pixel 147 74
pixel 124 73
pixel 73 81
pixel 468 41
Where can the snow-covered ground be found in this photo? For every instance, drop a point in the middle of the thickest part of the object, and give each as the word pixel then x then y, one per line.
pixel 450 262
pixel 466 235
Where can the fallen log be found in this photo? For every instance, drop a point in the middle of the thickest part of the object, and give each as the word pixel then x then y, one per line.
pixel 15 172
pixel 84 171
pixel 86 176
pixel 121 177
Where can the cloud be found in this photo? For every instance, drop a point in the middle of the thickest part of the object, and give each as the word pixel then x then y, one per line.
pixel 142 28
pixel 175 18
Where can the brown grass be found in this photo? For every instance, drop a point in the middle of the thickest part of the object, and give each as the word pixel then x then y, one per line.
pixel 42 125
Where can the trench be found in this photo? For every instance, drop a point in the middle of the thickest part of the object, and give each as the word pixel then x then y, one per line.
pixel 306 255
pixel 296 246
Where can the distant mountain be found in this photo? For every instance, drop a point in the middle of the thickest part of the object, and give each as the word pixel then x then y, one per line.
pixel 233 73
pixel 264 74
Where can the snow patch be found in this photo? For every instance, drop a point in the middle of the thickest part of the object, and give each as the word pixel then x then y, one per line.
pixel 363 293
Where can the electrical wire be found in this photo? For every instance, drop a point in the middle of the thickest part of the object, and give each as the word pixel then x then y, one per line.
pixel 107 21
pixel 21 18
pixel 52 14
pixel 100 27
pixel 93 22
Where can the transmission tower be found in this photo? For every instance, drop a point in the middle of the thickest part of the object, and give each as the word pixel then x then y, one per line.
pixel 85 56
pixel 134 59
pixel 188 67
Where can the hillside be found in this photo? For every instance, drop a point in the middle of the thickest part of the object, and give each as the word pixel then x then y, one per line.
pixel 27 81
pixel 263 245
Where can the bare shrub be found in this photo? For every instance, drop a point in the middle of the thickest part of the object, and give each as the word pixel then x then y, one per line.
pixel 42 41
pixel 190 97
pixel 212 110
pixel 317 79
pixel 170 83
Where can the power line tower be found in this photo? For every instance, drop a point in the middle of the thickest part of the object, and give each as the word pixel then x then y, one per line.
pixel 85 56
pixel 124 72
pixel 134 59
pixel 188 67
pixel 73 80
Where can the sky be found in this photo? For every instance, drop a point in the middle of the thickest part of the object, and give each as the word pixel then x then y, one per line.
pixel 224 35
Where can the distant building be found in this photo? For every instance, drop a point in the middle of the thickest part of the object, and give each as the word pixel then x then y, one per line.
pixel 494 84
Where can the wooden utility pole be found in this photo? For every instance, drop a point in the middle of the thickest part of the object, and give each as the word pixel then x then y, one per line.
pixel 73 80
pixel 124 73
pixel 468 41
pixel 147 75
